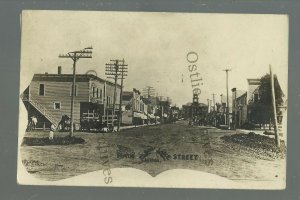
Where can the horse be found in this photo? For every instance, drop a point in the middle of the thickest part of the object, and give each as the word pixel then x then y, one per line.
pixel 65 123
pixel 32 123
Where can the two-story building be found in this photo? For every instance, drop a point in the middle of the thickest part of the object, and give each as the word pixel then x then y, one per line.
pixel 48 97
pixel 195 110
pixel 241 100
pixel 134 109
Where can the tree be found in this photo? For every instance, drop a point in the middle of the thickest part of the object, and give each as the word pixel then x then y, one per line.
pixel 261 110
pixel 265 91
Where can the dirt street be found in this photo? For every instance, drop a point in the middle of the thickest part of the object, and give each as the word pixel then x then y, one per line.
pixel 153 149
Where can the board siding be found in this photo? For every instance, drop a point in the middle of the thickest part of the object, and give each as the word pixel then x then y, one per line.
pixel 60 92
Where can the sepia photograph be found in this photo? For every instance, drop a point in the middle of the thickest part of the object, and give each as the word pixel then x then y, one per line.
pixel 153 99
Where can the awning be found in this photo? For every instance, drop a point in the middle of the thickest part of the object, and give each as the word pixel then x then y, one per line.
pixel 144 116
pixel 140 115
pixel 136 114
pixel 151 116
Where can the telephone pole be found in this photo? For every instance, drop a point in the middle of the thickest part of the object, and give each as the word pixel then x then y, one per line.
pixel 75 55
pixel 148 91
pixel 208 105
pixel 114 70
pixel 221 98
pixel 214 101
pixel 123 69
pixel 227 104
pixel 277 140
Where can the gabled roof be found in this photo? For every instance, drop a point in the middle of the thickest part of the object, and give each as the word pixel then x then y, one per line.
pixel 240 93
pixel 244 94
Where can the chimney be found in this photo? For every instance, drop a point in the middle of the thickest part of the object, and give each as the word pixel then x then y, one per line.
pixel 234 93
pixel 59 70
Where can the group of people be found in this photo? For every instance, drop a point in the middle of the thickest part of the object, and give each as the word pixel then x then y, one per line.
pixel 32 122
pixel 197 121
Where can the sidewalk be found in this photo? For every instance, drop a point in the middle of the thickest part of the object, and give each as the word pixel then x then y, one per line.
pixel 135 126
pixel 258 132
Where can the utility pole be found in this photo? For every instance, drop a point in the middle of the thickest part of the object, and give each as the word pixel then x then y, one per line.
pixel 214 101
pixel 277 140
pixel 123 69
pixel 227 104
pixel 208 105
pixel 149 91
pixel 75 55
pixel 221 97
pixel 114 70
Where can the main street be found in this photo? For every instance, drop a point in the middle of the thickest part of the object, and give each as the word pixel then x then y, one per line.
pixel 154 149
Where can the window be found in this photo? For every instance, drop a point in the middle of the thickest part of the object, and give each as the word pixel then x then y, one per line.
pixel 104 90
pixel 255 97
pixel 97 92
pixel 94 89
pixel 57 106
pixel 76 91
pixel 42 90
pixel 108 100
pixel 100 93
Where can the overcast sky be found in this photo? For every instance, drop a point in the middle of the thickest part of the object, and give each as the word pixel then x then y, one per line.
pixel 155 45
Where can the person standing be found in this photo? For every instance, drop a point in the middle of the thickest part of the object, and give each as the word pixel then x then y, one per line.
pixel 52 129
pixel 33 122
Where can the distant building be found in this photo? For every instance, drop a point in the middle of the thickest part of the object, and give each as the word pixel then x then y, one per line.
pixel 152 108
pixel 164 110
pixel 195 110
pixel 48 97
pixel 134 109
pixel 241 100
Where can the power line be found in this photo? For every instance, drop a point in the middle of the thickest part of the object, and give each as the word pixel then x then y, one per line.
pixel 227 104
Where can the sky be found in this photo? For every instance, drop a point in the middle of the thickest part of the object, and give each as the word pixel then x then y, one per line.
pixel 155 47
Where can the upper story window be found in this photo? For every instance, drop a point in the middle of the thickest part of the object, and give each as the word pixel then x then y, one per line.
pixel 42 90
pixel 97 92
pixel 141 107
pixel 256 98
pixel 108 100
pixel 76 90
pixel 100 93
pixel 94 91
pixel 57 105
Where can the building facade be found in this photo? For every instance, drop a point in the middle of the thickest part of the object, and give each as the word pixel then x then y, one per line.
pixel 195 111
pixel 241 101
pixel 48 97
pixel 134 109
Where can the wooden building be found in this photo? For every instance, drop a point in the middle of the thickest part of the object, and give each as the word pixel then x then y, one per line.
pixel 134 109
pixel 48 97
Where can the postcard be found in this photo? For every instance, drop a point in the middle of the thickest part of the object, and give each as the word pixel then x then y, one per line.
pixel 153 99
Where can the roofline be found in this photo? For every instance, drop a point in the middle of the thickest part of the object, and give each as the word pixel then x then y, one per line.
pixel 88 76
pixel 253 81
pixel 241 95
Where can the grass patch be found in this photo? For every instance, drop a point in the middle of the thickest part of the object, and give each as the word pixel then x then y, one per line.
pixel 45 141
